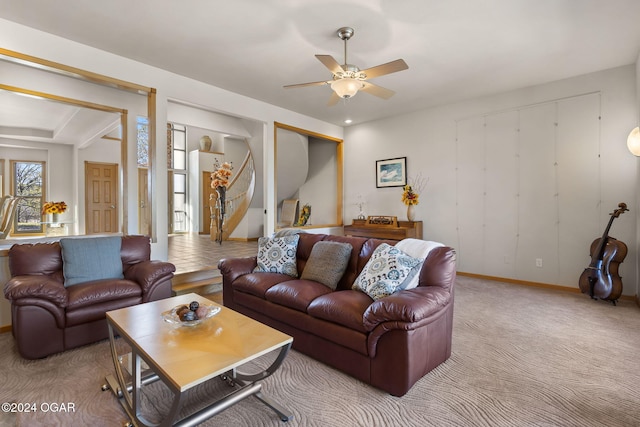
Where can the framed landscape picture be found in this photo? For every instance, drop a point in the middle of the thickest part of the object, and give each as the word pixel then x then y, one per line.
pixel 391 172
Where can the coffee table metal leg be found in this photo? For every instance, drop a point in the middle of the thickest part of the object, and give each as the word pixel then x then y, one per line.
pixel 243 379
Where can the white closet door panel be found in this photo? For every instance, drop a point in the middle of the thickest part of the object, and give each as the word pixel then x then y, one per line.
pixel 501 189
pixel 470 189
pixel 578 187
pixel 538 234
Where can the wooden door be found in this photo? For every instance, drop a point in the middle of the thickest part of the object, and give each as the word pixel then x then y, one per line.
pixel 144 210
pixel 206 210
pixel 101 197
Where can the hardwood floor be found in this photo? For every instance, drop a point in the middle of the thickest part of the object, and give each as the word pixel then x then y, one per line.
pixel 196 259
pixel 196 252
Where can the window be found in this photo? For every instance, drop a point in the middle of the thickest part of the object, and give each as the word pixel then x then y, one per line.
pixel 28 184
pixel 178 165
pixel 142 141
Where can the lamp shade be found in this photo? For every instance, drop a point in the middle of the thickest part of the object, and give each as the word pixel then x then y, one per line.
pixel 346 87
pixel 633 142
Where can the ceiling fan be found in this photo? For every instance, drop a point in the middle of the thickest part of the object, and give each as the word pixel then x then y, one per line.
pixel 348 79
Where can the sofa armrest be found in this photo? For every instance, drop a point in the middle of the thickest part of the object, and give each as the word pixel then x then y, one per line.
pixel 36 286
pixel 149 274
pixel 232 268
pixel 406 307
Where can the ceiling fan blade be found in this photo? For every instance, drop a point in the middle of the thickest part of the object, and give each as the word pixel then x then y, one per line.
pixel 333 100
pixel 378 91
pixel 330 63
pixel 306 84
pixel 388 68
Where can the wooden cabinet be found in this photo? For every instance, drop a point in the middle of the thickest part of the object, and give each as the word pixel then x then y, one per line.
pixel 384 228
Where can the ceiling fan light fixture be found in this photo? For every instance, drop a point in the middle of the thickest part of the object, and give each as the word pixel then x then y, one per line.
pixel 346 87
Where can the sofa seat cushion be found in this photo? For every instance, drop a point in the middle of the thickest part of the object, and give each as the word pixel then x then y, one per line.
pixel 345 308
pixel 100 291
pixel 296 294
pixel 91 313
pixel 258 283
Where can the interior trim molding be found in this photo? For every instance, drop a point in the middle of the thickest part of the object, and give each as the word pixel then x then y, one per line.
pixel 67 70
pixel 340 168
pixel 538 284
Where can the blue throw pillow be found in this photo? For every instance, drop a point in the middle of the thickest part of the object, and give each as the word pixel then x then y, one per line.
pixel 93 258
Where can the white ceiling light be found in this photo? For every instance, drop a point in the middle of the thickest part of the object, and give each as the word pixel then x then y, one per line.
pixel 633 142
pixel 346 87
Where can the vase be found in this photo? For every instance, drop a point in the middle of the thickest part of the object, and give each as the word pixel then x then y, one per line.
pixel 411 212
pixel 219 212
pixel 205 143
pixel 54 218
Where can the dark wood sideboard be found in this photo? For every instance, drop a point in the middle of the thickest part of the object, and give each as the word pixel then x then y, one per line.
pixel 388 228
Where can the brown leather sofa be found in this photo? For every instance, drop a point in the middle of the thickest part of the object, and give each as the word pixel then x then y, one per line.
pixel 48 317
pixel 390 343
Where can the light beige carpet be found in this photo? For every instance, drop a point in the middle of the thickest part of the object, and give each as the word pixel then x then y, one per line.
pixel 521 357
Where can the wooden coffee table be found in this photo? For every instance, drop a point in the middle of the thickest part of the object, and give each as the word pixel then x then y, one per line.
pixel 185 356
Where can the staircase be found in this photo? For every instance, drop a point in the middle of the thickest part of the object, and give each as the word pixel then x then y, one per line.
pixel 238 197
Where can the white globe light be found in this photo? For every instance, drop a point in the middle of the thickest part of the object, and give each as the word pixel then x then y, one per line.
pixel 633 142
pixel 346 87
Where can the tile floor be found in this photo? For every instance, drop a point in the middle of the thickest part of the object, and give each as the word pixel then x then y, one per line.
pixel 195 252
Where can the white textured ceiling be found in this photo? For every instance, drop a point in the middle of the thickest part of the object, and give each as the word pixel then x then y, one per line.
pixel 455 49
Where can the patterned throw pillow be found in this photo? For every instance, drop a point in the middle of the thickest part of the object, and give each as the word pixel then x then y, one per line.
pixel 385 271
pixel 278 255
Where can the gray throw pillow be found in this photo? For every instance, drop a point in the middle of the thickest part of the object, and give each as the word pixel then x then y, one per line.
pixel 93 258
pixel 327 263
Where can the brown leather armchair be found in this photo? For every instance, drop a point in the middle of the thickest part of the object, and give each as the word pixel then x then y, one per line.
pixel 48 317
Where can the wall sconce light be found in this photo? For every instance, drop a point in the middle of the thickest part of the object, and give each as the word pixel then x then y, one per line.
pixel 633 142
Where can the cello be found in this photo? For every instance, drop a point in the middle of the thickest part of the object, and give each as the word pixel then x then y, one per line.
pixel 601 279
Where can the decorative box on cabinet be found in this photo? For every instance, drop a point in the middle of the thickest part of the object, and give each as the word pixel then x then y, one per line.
pixel 384 227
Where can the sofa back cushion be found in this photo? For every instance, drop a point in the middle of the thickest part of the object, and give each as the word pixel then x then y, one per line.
pixel 362 249
pixel 92 258
pixel 35 259
pixel 134 249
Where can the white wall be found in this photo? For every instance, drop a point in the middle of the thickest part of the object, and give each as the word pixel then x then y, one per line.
pixel 506 185
pixel 172 87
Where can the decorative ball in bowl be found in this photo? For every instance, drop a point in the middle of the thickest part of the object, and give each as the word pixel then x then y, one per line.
pixel 190 315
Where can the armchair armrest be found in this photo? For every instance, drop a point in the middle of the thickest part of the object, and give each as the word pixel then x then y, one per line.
pixel 149 274
pixel 406 307
pixel 36 286
pixel 232 268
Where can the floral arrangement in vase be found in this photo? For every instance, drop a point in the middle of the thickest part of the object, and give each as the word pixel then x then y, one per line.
pixel 219 182
pixel 411 194
pixel 305 213
pixel 221 174
pixel 54 208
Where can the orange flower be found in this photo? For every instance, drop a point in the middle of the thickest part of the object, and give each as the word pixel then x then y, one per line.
pixel 220 176
pixel 54 208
